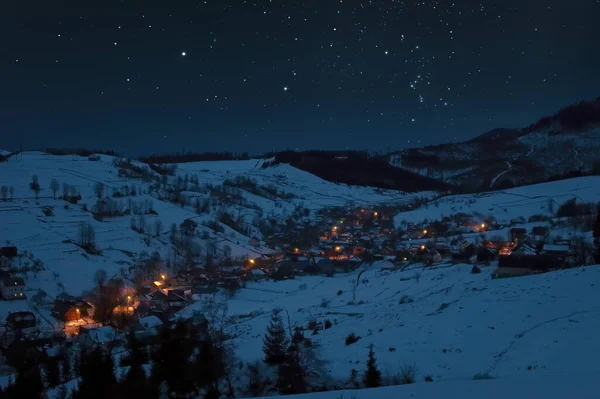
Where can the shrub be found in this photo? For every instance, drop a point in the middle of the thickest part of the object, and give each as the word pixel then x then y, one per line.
pixel 428 378
pixel 352 339
pixel 405 299
pixel 475 269
pixel 408 374
pixel 328 324
pixel 324 303
pixel 340 292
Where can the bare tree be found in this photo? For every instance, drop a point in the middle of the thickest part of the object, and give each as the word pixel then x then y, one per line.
pixel 100 277
pixel 4 190
pixel 158 227
pixel 99 189
pixel 65 190
pixel 54 186
pixel 142 224
pixel 87 235
pixel 35 186
pixel 11 189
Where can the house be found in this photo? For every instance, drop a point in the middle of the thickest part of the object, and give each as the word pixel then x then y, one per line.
pixel 255 274
pixel 70 309
pixel 539 233
pixel 525 248
pixel 325 266
pixel 254 242
pixel 148 326
pixel 517 234
pixel 21 321
pixel 487 253
pixel 98 336
pixel 6 256
pixel 12 288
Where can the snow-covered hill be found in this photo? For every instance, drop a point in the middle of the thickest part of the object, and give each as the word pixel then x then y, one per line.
pixel 564 144
pixel 506 205
pixel 452 324
pixel 581 386
pixel 48 229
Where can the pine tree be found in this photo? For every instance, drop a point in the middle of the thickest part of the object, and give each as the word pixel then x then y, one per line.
pixel 291 375
pixel 97 376
pixel 52 372
pixel 28 382
pixel 275 342
pixel 172 361
pixel 372 378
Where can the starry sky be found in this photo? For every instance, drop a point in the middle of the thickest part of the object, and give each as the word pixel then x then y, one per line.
pixel 150 76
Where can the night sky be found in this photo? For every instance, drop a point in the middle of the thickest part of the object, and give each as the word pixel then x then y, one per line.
pixel 143 77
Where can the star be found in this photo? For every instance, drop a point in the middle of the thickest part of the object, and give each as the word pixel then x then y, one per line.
pixel 285 88
pixel 183 53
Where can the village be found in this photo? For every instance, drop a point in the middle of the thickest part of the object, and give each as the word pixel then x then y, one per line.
pixel 150 296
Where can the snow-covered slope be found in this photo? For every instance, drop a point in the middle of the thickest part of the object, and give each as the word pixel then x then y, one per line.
pixel 581 386
pixel 458 324
pixel 539 199
pixel 47 228
pixel 506 161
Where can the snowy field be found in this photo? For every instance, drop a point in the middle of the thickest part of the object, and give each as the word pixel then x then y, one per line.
pixel 545 386
pixel 538 199
pixel 458 324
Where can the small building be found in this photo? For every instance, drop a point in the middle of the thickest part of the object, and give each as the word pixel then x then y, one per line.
pixel 255 275
pixel 70 310
pixel 21 321
pixel 517 234
pixel 539 233
pixel 12 288
pixel 148 326
pixel 98 336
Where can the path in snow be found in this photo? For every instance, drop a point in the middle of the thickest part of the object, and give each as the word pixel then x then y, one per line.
pixel 501 173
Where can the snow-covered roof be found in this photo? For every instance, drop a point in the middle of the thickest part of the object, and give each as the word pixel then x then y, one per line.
pixel 150 322
pixel 102 335
pixel 556 248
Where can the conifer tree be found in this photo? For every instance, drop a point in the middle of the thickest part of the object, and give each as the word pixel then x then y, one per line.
pixel 372 378
pixel 275 342
pixel 291 375
pixel 28 382
pixel 97 373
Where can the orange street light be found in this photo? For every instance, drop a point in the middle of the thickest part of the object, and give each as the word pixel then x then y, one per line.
pixel 483 225
pixel 422 246
pixel 374 213
pixel 425 232
pixel 163 276
pixel 337 249
pixel 252 261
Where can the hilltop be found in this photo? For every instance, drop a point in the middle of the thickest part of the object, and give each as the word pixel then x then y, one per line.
pixel 566 144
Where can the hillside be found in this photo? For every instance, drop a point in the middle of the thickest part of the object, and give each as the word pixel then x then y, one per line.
pixel 548 386
pixel 48 229
pixel 451 324
pixel 566 144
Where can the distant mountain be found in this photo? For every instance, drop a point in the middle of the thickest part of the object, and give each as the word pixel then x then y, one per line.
pixel 566 144
pixel 498 134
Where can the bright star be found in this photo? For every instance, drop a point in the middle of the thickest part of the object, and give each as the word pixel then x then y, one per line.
pixel 183 53
pixel 285 88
